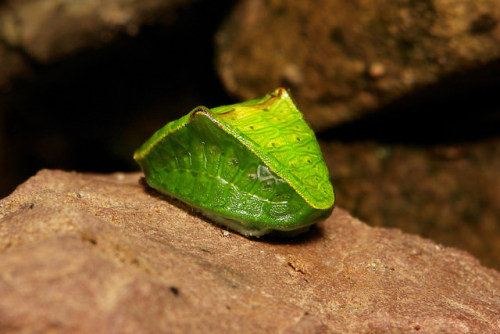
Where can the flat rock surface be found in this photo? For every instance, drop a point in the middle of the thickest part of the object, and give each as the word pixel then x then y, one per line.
pixel 103 253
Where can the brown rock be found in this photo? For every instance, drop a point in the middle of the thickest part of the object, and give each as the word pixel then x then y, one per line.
pixel 101 253
pixel 343 59
pixel 447 193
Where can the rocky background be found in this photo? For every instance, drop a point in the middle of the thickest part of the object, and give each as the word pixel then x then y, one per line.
pixel 402 94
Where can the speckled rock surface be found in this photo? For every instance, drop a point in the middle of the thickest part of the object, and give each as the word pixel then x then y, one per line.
pixel 450 194
pixel 343 59
pixel 105 249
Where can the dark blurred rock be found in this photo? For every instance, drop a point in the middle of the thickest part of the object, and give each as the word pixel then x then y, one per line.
pixel 45 31
pixel 343 59
pixel 12 64
pixel 101 253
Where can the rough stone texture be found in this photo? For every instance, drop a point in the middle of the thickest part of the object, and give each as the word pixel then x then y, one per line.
pixel 448 193
pixel 45 31
pixel 343 58
pixel 101 253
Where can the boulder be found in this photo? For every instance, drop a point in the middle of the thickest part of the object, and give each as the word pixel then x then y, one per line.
pixel 345 59
pixel 104 253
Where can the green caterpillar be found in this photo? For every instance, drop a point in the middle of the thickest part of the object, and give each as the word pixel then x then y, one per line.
pixel 254 167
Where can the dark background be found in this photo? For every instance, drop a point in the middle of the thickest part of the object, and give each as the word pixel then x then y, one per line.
pixel 91 111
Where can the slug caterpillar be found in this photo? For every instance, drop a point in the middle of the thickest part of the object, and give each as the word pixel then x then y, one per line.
pixel 254 167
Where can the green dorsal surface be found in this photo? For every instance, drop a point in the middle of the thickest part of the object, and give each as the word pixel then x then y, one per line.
pixel 275 130
pixel 254 167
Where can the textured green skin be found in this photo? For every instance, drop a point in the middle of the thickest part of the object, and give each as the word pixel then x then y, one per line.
pixel 254 166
